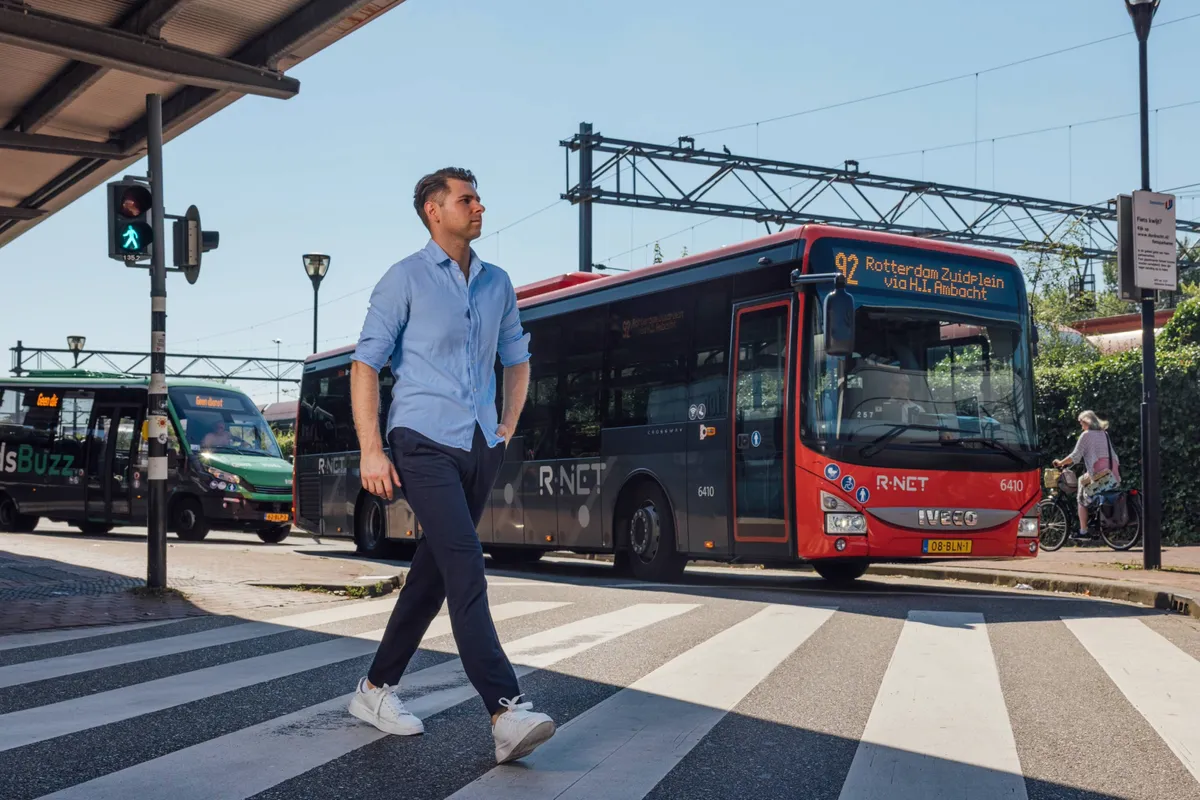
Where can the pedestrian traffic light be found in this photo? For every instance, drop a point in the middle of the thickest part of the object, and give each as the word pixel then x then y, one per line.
pixel 190 242
pixel 130 234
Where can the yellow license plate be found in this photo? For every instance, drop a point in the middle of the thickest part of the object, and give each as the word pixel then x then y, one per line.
pixel 279 517
pixel 946 546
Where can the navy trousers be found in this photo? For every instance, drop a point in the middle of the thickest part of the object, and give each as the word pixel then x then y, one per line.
pixel 447 489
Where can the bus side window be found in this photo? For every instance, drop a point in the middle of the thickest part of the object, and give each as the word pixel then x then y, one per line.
pixel 71 436
pixel 31 416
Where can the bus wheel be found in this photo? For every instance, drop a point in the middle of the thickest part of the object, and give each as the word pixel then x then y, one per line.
pixel 370 528
pixel 275 533
pixel 650 537
pixel 841 571
pixel 12 520
pixel 187 520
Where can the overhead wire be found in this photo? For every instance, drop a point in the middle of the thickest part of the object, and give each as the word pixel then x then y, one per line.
pixel 938 82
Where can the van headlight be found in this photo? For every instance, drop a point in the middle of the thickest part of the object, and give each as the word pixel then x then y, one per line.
pixel 1028 526
pixel 221 475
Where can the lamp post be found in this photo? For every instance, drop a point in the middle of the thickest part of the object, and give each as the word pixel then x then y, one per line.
pixel 315 266
pixel 75 345
pixel 1142 14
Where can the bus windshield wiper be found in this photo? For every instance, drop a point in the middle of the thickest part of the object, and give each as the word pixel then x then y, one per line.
pixel 995 445
pixel 877 444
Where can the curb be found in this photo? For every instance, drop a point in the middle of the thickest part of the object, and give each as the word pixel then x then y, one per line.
pixel 363 588
pixel 1090 587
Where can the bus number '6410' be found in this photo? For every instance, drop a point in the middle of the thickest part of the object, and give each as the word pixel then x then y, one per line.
pixel 706 491
pixel 1012 485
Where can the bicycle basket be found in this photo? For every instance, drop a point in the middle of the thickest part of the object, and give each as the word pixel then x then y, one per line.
pixel 1050 477
pixel 1068 482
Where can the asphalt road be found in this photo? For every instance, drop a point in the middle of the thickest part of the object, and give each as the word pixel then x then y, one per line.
pixel 731 686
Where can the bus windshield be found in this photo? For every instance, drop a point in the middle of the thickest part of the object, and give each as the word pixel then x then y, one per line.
pixel 220 421
pixel 923 378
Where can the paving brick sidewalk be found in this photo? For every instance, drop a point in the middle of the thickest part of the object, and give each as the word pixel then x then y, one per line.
pixel 48 580
pixel 1180 573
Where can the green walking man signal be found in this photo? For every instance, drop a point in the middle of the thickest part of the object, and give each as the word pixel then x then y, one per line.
pixel 131 234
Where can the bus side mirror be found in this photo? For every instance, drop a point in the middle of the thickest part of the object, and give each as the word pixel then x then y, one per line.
pixel 839 322
pixel 1034 342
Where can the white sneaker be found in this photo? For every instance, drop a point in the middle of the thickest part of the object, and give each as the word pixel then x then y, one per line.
pixel 383 709
pixel 519 731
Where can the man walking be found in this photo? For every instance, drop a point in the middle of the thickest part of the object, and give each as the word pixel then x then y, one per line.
pixel 441 316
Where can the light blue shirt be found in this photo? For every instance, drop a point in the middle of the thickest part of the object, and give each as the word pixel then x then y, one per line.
pixel 442 333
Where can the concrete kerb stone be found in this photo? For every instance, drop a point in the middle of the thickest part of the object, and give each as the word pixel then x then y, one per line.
pixel 376 587
pixel 1151 596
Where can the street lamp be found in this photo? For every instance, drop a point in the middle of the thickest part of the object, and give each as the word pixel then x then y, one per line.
pixel 75 345
pixel 315 266
pixel 1142 14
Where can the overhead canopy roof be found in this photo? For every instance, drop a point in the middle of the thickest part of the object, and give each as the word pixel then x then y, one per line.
pixel 74 75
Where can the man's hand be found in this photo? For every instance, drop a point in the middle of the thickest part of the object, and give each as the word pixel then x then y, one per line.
pixel 506 432
pixel 378 474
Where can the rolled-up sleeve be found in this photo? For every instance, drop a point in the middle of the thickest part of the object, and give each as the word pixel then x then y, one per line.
pixel 386 317
pixel 513 344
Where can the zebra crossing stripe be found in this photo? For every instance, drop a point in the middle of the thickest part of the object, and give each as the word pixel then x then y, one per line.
pixel 625 745
pixel 254 759
pixel 15 640
pixel 27 672
pixel 1161 681
pixel 37 724
pixel 939 727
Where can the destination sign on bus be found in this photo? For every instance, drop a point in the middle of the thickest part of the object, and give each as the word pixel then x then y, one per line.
pixel 940 276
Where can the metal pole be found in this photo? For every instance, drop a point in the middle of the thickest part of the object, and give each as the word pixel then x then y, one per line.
pixel 585 197
pixel 1151 501
pixel 156 531
pixel 316 288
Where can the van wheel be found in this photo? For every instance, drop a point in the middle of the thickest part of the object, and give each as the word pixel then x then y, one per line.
pixel 275 533
pixel 370 528
pixel 187 520
pixel 841 572
pixel 12 520
pixel 649 536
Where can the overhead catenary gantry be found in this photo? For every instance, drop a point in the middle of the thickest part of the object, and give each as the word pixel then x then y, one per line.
pixel 178 365
pixel 682 177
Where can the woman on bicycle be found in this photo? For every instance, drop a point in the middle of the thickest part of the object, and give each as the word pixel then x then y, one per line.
pixel 1094 450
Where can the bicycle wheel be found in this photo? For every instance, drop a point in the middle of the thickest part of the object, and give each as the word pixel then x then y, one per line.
pixel 1054 525
pixel 1126 537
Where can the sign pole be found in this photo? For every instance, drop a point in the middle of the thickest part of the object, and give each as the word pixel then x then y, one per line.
pixel 156 556
pixel 1151 542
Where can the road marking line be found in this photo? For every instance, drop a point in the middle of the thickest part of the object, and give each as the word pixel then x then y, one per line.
pixel 29 671
pixel 31 725
pixel 14 640
pixel 939 727
pixel 1161 681
pixel 624 746
pixel 254 759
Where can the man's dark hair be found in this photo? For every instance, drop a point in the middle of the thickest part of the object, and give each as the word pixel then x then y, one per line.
pixel 435 185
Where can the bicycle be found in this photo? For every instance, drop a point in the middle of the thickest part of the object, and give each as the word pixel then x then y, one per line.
pixel 1115 515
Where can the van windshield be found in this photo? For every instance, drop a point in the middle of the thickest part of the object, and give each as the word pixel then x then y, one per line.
pixel 221 421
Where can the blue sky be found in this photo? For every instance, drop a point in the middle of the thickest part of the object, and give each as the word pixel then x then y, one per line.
pixel 495 85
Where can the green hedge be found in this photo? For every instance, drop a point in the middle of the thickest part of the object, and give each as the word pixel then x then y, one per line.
pixel 1112 387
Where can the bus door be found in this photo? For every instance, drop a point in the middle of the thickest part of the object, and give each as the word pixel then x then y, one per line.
pixel 760 405
pixel 113 440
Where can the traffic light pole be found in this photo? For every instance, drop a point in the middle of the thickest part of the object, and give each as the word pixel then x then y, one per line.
pixel 156 556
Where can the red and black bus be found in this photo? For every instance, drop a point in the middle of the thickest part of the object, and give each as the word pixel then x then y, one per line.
pixel 696 410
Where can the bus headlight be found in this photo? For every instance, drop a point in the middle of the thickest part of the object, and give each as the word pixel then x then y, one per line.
pixel 220 475
pixel 845 523
pixel 1028 526
pixel 831 502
